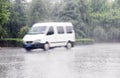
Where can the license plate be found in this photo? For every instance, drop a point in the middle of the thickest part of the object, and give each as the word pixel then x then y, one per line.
pixel 28 45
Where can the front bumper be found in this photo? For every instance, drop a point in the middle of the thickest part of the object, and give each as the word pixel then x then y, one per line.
pixel 34 46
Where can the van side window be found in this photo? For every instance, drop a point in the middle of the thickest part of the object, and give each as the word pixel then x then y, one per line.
pixel 69 29
pixel 60 30
pixel 50 31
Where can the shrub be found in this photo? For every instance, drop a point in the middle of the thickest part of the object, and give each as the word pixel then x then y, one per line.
pixel 3 33
pixel 99 34
pixel 23 31
pixel 11 42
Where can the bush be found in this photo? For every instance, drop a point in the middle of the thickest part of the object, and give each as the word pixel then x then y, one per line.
pixel 99 34
pixel 23 31
pixel 114 35
pixel 11 42
pixel 3 33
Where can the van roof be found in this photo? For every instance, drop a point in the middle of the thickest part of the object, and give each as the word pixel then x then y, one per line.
pixel 54 24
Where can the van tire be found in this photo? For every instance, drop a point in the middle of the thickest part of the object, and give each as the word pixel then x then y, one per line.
pixel 46 47
pixel 69 45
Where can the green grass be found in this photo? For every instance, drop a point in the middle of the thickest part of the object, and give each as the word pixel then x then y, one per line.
pixel 84 41
pixel 14 39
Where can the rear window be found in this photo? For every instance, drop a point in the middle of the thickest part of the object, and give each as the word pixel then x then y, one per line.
pixel 69 29
pixel 60 30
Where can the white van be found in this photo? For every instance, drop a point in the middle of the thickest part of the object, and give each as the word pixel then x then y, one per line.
pixel 49 35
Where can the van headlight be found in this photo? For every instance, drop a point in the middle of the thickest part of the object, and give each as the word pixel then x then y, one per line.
pixel 23 42
pixel 37 41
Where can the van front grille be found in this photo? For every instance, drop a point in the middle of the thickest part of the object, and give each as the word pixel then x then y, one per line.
pixel 29 42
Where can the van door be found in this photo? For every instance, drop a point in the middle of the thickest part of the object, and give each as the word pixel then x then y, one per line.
pixel 61 38
pixel 50 36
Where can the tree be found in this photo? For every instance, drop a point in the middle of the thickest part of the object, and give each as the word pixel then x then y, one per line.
pixel 3 33
pixel 18 18
pixel 4 16
pixel 4 12
pixel 38 12
pixel 75 11
pixel 99 19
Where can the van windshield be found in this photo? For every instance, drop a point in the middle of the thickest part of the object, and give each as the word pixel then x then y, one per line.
pixel 37 30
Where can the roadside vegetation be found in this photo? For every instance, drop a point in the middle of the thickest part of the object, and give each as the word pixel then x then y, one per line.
pixel 93 20
pixel 17 42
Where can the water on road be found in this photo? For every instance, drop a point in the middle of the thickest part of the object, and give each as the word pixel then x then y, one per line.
pixel 88 61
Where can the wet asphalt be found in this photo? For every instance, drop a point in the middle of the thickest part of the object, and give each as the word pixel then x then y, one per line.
pixel 85 61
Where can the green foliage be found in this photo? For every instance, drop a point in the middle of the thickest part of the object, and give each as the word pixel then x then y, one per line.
pixel 114 34
pixel 11 42
pixel 17 18
pixel 75 12
pixel 3 33
pixel 91 18
pixel 38 12
pixel 99 34
pixel 23 31
pixel 98 19
pixel 4 12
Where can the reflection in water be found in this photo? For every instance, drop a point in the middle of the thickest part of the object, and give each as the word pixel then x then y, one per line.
pixel 11 67
pixel 98 62
pixel 11 71
pixel 92 61
pixel 3 71
pixel 49 65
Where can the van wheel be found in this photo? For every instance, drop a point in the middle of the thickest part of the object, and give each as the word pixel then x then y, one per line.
pixel 69 45
pixel 46 47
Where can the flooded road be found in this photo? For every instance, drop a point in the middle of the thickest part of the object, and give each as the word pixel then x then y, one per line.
pixel 88 61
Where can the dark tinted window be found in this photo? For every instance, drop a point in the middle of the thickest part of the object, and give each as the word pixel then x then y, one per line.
pixel 50 31
pixel 60 30
pixel 69 29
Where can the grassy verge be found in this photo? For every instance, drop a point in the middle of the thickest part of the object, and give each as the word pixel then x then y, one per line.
pixel 11 42
pixel 84 41
pixel 17 42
